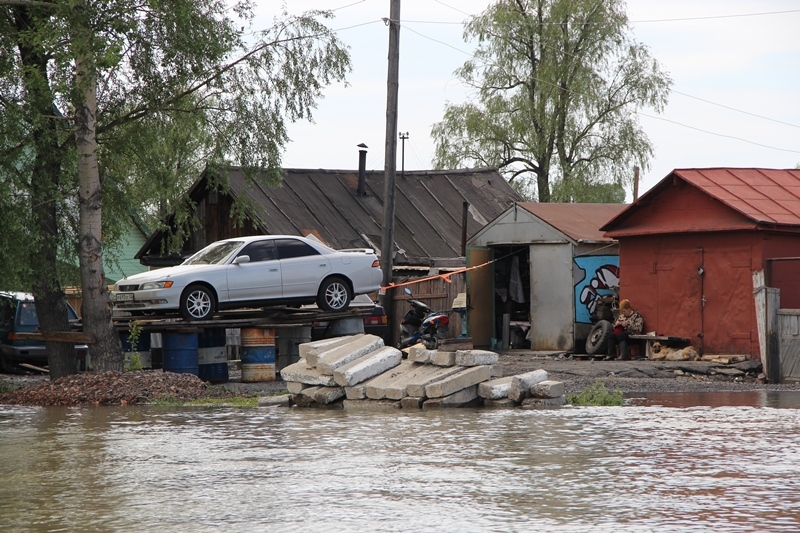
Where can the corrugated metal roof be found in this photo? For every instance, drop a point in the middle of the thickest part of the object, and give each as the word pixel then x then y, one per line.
pixel 765 196
pixel 428 207
pixel 580 222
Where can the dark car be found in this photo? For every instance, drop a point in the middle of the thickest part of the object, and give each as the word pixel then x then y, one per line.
pixel 18 315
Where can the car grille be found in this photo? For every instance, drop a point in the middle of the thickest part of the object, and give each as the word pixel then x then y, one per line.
pixel 128 287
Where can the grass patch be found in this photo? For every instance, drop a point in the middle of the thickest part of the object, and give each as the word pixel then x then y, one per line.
pixel 597 394
pixel 5 387
pixel 231 401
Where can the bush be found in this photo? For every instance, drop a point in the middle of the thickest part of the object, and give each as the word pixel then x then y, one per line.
pixel 597 394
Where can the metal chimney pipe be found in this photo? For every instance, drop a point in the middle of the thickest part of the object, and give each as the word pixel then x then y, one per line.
pixel 362 170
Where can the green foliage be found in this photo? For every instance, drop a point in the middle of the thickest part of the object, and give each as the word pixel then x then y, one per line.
pixel 558 83
pixel 597 394
pixel 133 359
pixel 5 387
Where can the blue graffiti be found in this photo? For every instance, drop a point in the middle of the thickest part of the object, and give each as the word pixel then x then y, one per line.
pixel 604 270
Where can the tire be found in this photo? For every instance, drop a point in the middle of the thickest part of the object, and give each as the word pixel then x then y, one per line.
pixel 197 302
pixel 334 294
pixel 597 341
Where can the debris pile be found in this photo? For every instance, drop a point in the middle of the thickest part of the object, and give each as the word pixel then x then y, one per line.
pixel 359 372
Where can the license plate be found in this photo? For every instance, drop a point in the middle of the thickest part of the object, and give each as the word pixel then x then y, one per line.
pixel 125 297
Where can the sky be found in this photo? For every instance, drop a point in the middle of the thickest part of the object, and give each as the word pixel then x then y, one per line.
pixel 735 66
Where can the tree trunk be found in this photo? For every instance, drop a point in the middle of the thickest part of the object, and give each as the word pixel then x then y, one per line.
pixel 106 352
pixel 45 195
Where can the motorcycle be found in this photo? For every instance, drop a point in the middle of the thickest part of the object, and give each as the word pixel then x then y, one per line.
pixel 420 324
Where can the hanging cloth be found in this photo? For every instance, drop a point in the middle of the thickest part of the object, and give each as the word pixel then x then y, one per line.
pixel 515 283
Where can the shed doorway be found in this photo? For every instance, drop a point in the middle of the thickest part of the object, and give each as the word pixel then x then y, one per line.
pixel 512 294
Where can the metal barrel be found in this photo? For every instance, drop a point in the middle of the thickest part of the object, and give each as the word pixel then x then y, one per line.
pixel 258 355
pixel 289 341
pixel 212 357
pixel 180 353
pixel 142 347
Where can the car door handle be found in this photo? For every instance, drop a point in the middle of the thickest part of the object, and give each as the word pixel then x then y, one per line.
pixel 273 269
pixel 323 265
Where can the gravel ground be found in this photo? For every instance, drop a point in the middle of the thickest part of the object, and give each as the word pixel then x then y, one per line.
pixel 630 376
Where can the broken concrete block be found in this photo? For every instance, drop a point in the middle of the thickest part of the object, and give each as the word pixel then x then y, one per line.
pixel 301 372
pixel 370 405
pixel 412 402
pixel 495 389
pixel 547 389
pixel 543 403
pixel 367 366
pixel 521 384
pixel 376 387
pixel 332 359
pixel 311 350
pixel 326 395
pixel 441 358
pixel 467 377
pixel 420 354
pixel 416 387
pixel 476 357
pixel 306 397
pixel 464 398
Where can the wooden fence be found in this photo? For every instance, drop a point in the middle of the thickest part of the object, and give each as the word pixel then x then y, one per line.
pixel 437 293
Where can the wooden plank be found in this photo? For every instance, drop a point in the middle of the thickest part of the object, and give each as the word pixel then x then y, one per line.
pixel 36 368
pixel 57 336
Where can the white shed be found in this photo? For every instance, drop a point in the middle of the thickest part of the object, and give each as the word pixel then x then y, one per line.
pixel 545 266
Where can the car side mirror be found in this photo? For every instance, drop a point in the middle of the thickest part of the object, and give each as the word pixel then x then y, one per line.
pixel 241 259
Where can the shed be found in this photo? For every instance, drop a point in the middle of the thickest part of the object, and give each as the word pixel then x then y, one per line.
pixel 689 246
pixel 549 262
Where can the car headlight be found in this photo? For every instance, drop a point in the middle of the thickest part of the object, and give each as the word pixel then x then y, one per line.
pixel 155 285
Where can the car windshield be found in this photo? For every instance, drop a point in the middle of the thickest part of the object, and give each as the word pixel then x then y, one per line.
pixel 213 254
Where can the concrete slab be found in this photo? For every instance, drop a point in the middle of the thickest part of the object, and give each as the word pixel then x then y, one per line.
pixel 398 389
pixel 376 387
pixel 370 405
pixel 521 384
pixel 467 377
pixel 341 355
pixel 283 400
pixel 301 372
pixel 547 389
pixel 412 402
pixel 326 395
pixel 464 398
pixel 311 350
pixel 416 387
pixel 495 389
pixel 476 357
pixel 367 366
pixel 356 392
pixel 295 387
pixel 441 358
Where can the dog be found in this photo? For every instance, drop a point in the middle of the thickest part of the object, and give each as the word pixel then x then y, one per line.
pixel 660 352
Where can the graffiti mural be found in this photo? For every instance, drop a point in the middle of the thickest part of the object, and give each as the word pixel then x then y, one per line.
pixel 600 276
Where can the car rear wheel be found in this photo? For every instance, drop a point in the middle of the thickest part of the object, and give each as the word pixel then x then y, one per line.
pixel 197 303
pixel 334 295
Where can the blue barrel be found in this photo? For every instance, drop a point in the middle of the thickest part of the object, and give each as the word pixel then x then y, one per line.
pixel 258 355
pixel 212 357
pixel 180 353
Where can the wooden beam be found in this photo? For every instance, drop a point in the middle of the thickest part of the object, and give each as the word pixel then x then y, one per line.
pixel 58 336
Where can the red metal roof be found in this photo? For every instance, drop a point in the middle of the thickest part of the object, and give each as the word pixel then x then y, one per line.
pixel 765 196
pixel 580 222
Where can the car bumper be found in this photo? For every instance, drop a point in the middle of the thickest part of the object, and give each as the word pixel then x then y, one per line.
pixel 151 300
pixel 35 354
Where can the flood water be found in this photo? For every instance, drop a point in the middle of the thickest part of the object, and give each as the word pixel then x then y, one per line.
pixel 664 463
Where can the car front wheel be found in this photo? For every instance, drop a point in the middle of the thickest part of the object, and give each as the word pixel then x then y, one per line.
pixel 334 295
pixel 197 303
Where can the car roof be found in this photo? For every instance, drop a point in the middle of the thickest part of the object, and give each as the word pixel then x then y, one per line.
pixel 17 295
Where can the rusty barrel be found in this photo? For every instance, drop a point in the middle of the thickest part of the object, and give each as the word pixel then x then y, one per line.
pixel 258 354
pixel 212 356
pixel 180 353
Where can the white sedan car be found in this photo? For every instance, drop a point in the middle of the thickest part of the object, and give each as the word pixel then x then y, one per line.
pixel 253 272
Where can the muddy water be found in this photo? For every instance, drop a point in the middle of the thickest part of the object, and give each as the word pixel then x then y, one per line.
pixel 661 464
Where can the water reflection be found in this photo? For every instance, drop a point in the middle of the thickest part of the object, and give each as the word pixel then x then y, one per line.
pixel 759 398
pixel 639 468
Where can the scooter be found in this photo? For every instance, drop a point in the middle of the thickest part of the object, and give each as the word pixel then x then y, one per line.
pixel 420 324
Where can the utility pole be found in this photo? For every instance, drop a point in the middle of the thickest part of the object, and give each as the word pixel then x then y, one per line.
pixel 390 162
pixel 403 137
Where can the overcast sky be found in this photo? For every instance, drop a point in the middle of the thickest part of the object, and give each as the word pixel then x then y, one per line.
pixel 735 65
